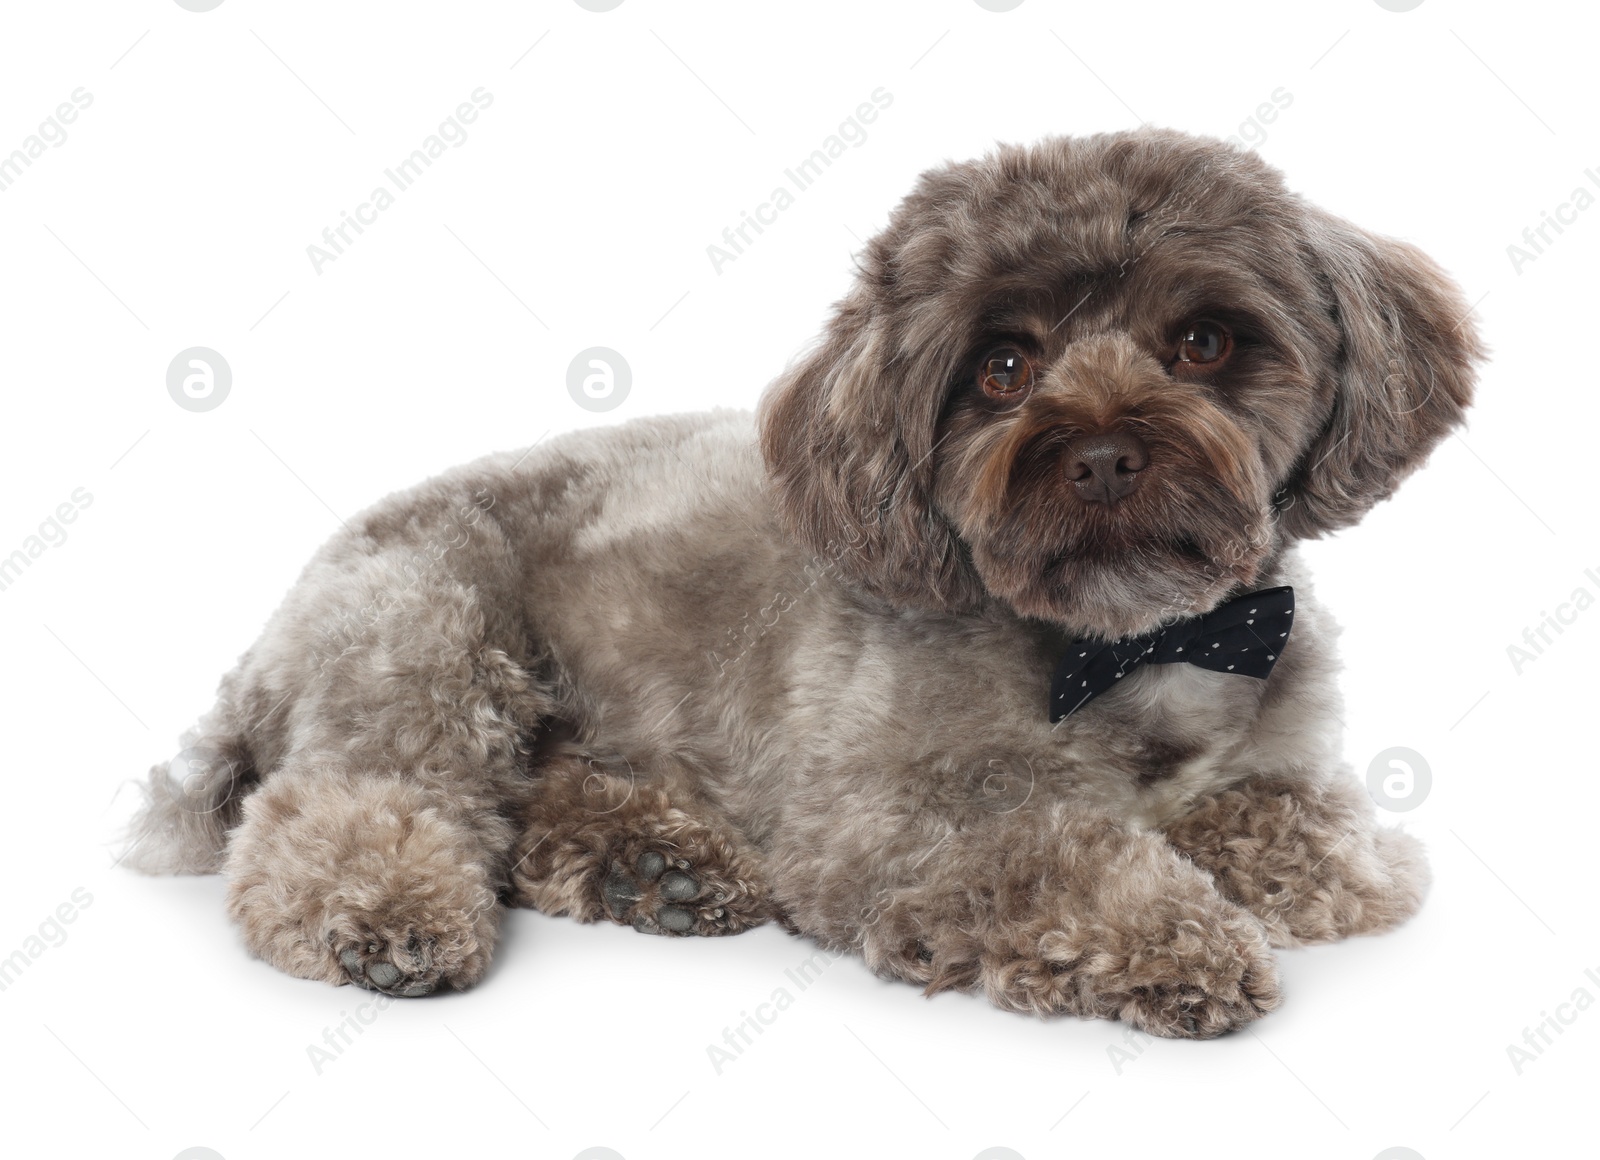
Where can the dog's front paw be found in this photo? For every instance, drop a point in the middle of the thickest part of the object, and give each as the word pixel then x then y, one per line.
pixel 1190 969
pixel 1201 985
pixel 1181 968
pixel 1309 860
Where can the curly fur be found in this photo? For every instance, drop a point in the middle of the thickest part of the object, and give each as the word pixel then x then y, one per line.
pixel 585 821
pixel 693 672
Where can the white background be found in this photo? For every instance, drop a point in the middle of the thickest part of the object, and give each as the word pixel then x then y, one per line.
pixel 178 212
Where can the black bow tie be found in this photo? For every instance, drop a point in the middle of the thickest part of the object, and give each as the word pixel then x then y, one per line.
pixel 1244 636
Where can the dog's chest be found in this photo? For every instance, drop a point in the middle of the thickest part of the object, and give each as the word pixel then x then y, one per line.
pixel 1162 742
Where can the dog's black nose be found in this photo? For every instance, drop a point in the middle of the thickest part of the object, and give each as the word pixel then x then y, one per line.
pixel 1105 468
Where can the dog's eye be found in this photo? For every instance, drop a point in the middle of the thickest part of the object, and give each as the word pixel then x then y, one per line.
pixel 1204 342
pixel 1006 374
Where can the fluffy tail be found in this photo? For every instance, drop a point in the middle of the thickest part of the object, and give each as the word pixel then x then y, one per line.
pixel 190 804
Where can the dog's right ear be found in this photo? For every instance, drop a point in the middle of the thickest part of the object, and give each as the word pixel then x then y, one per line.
pixel 848 437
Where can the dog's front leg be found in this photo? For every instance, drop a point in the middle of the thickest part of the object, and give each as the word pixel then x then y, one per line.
pixel 1053 910
pixel 1306 857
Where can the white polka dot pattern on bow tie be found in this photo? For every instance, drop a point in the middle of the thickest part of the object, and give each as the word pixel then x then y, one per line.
pixel 1094 665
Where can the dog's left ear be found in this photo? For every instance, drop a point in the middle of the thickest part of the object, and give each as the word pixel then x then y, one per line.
pixel 1402 377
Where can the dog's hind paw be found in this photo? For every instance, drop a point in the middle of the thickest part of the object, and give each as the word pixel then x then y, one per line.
pixel 409 961
pixel 405 970
pixel 364 881
pixel 655 900
pixel 603 847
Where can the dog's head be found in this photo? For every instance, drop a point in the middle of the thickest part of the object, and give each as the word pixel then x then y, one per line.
pixel 1105 379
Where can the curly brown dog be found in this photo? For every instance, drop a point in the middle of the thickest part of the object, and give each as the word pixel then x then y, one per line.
pixel 902 662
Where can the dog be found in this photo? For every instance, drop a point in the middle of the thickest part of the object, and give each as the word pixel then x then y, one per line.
pixel 897 661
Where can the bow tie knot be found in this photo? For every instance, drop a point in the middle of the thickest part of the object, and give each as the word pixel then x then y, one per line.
pixel 1244 636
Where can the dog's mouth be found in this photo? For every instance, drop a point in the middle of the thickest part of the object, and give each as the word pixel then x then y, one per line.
pixel 1186 548
pixel 1061 565
pixel 1154 551
pixel 1127 587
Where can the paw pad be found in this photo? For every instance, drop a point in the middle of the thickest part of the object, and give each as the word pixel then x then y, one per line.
pixel 644 896
pixel 365 967
pixel 675 918
pixel 620 894
pixel 678 886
